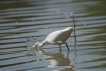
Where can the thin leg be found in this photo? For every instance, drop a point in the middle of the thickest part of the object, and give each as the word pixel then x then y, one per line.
pixel 60 47
pixel 67 47
pixel 67 54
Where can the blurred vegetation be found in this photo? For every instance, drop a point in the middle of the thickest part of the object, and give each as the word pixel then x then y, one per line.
pixel 98 9
pixel 9 4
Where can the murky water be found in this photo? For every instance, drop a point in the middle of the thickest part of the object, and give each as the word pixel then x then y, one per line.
pixel 20 19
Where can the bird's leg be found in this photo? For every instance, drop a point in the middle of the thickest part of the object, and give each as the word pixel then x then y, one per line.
pixel 67 46
pixel 60 47
pixel 67 54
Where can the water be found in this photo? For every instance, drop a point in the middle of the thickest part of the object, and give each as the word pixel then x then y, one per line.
pixel 20 19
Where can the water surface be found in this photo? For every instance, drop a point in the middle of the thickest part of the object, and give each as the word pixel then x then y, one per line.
pixel 20 19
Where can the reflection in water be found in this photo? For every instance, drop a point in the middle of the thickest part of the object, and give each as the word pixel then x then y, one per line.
pixel 56 59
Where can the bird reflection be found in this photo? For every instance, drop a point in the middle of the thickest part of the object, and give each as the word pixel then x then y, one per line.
pixel 56 59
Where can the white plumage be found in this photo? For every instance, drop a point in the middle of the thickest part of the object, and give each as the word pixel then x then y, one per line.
pixel 57 37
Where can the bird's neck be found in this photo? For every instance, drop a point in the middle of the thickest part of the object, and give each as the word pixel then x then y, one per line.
pixel 38 44
pixel 42 43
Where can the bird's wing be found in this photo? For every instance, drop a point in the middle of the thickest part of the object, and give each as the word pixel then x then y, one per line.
pixel 55 36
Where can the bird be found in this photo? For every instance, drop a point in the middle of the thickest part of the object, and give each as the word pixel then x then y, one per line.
pixel 57 38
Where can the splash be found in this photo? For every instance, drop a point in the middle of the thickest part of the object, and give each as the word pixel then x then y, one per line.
pixel 30 41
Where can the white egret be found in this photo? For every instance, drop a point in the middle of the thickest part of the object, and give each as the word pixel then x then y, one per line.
pixel 57 37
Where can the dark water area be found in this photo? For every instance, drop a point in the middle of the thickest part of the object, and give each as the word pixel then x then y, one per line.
pixel 20 19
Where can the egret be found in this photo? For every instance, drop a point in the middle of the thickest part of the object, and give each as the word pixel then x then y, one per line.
pixel 57 38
